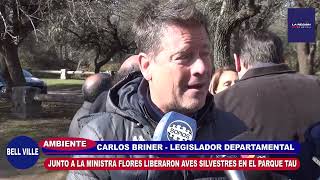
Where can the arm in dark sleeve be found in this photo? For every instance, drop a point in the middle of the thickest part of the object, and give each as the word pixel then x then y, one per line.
pixel 88 132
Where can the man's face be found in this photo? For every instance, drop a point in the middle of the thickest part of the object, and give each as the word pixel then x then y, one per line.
pixel 181 70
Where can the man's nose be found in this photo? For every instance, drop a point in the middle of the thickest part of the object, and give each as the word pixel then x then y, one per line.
pixel 200 67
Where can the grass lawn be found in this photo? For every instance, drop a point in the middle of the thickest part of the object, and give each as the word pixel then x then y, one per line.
pixel 54 84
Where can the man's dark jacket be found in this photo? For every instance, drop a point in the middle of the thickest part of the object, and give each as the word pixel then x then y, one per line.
pixel 74 129
pixel 99 105
pixel 274 101
pixel 127 119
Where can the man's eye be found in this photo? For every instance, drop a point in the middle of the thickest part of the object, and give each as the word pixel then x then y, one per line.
pixel 228 83
pixel 184 59
pixel 185 56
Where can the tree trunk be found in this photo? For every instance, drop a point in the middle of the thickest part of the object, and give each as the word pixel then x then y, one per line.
pixel 228 20
pixel 317 57
pixel 5 73
pixel 10 54
pixel 9 47
pixel 79 64
pixel 60 52
pixel 235 41
pixel 302 52
pixel 306 51
pixel 222 47
pixel 99 64
pixel 306 57
pixel 97 68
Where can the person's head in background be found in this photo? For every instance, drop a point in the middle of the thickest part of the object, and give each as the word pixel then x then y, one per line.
pixel 174 56
pixel 94 85
pixel 222 79
pixel 128 66
pixel 258 49
pixel 131 64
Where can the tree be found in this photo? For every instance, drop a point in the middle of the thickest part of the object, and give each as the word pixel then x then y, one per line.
pixel 230 17
pixel 17 19
pixel 227 20
pixel 306 51
pixel 269 12
pixel 92 26
pixel 4 72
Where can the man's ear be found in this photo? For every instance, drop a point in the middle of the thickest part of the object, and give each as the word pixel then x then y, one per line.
pixel 237 62
pixel 144 64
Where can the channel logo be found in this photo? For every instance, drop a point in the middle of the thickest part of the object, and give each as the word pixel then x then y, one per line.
pixel 301 25
pixel 179 131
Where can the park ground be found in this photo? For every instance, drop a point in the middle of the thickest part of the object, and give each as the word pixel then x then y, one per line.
pixel 53 121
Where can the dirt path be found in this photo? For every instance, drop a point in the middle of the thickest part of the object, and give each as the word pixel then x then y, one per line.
pixel 35 173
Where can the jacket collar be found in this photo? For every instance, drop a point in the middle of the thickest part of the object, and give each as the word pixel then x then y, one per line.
pixel 262 71
pixel 86 104
pixel 152 112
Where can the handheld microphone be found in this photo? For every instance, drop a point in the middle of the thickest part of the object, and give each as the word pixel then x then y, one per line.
pixel 174 126
pixel 235 175
pixel 245 136
pixel 232 174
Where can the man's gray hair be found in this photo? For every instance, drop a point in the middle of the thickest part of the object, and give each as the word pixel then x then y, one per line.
pixel 260 47
pixel 156 14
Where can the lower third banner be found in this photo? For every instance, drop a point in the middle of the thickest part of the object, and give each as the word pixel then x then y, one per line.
pixel 172 164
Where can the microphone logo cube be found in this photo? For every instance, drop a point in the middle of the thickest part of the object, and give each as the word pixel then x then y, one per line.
pixel 179 130
pixel 174 126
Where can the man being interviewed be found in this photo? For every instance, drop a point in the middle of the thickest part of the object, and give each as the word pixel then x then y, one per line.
pixel 175 63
